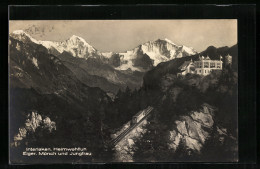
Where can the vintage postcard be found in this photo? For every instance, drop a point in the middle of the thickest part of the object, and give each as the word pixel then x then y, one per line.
pixel 94 91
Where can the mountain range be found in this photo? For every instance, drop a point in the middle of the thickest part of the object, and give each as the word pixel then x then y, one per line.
pixel 108 70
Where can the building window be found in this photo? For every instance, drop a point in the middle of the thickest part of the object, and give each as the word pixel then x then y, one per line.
pixel 200 71
pixel 205 71
pixel 218 65
pixel 206 64
pixel 192 69
pixel 198 64
pixel 212 64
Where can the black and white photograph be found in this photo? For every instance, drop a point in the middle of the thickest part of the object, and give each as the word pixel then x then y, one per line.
pixel 99 91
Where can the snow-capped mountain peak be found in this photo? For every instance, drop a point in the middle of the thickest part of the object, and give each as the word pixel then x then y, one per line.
pixel 77 46
pixel 76 39
pixel 160 50
pixel 22 36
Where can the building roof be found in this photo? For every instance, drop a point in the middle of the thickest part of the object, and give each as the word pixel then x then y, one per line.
pixel 207 59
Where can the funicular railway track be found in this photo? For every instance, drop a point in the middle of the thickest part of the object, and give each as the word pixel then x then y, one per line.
pixel 155 103
pixel 129 129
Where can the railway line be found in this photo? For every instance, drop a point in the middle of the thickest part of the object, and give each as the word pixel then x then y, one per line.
pixel 134 125
pixel 131 127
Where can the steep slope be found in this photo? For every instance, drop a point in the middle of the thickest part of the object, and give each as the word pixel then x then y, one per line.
pixel 32 66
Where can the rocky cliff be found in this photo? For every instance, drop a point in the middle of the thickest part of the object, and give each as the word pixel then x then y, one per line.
pixel 34 121
pixel 193 129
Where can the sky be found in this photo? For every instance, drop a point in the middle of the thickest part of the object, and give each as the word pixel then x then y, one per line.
pixel 122 35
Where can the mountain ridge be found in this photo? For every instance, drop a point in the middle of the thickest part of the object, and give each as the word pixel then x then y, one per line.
pixel 159 50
